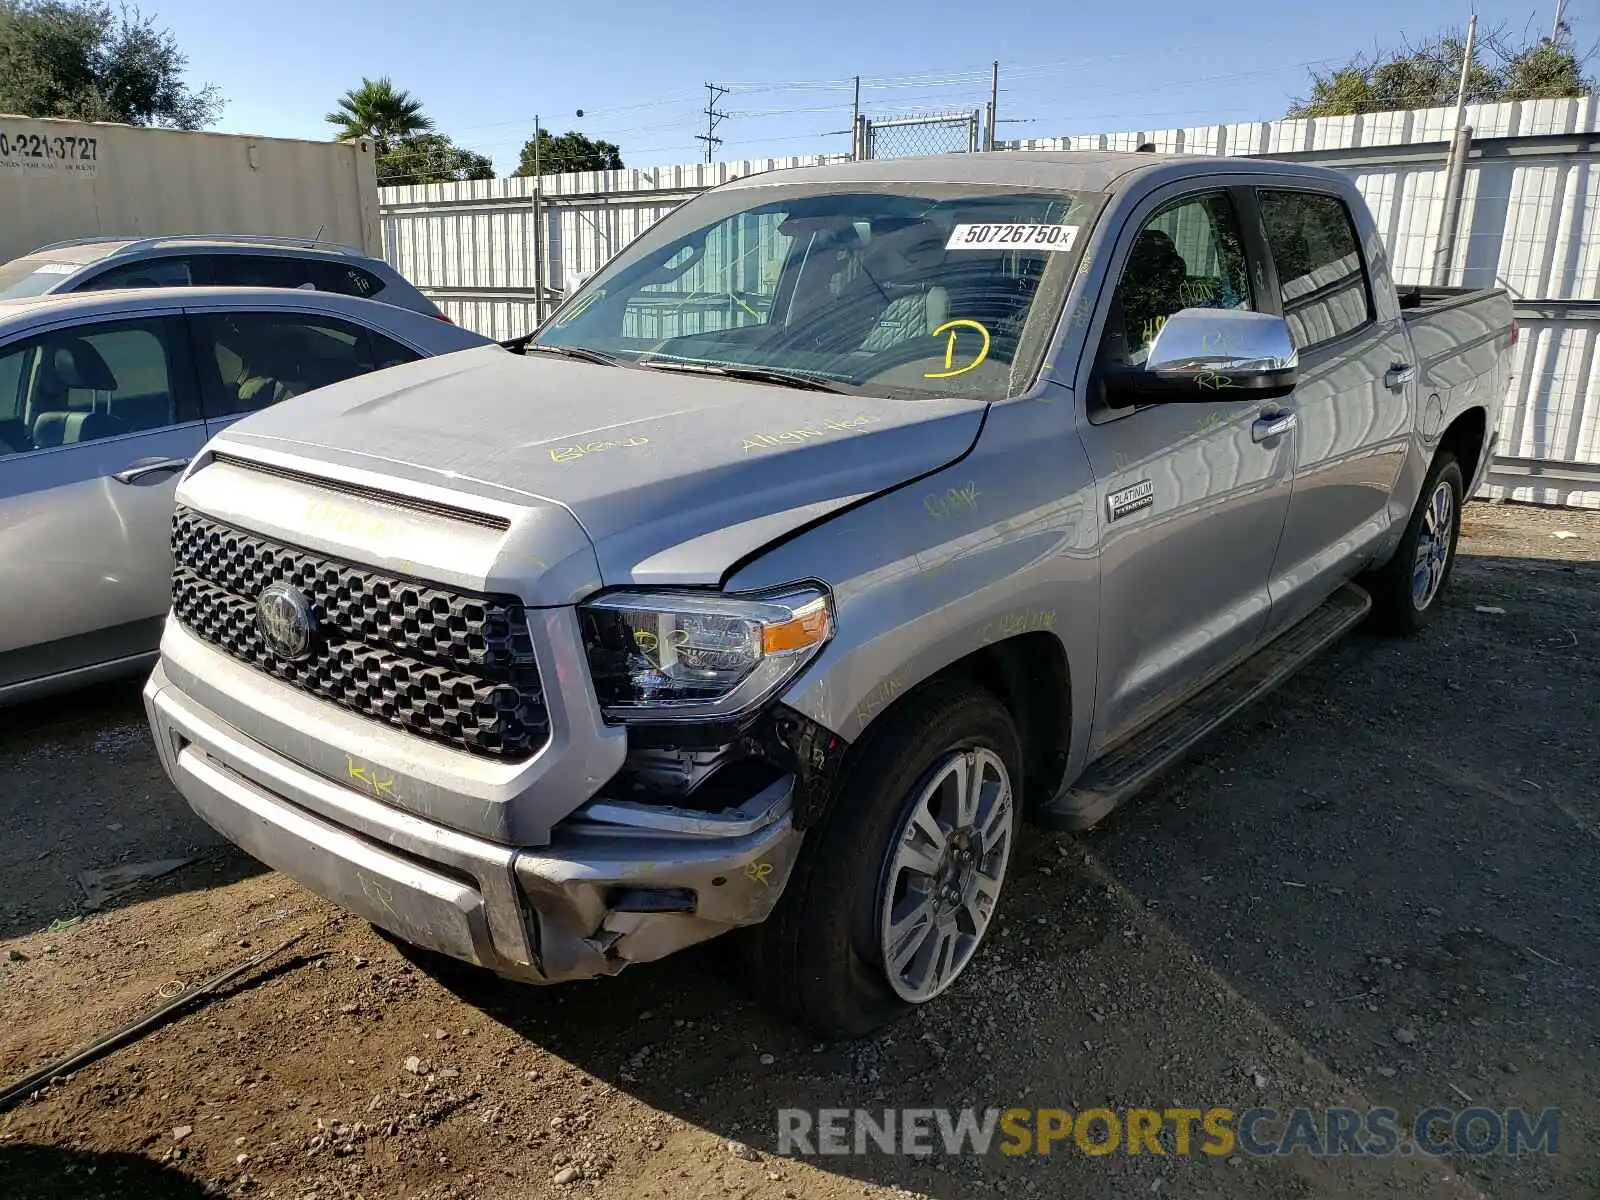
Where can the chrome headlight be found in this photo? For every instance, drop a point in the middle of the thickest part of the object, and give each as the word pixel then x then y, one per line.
pixel 663 655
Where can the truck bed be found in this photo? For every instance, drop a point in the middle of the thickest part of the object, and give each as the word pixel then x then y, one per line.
pixel 1459 336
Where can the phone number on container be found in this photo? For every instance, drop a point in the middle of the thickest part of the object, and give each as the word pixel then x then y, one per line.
pixel 38 145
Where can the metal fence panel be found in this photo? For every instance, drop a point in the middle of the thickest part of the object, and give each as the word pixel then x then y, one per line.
pixel 912 137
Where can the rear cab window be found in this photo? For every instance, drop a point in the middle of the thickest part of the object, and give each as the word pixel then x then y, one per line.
pixel 1321 272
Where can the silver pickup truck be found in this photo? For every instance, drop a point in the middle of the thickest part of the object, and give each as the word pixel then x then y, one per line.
pixel 847 517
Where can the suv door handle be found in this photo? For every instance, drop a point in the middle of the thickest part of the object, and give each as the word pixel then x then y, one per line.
pixel 149 466
pixel 1271 425
pixel 1397 376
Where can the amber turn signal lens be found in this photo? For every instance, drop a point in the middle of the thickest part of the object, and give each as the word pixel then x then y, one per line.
pixel 809 627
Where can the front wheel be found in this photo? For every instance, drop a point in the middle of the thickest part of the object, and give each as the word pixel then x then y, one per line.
pixel 895 890
pixel 1405 591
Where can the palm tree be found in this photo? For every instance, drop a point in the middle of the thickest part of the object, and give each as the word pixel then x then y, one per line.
pixel 380 111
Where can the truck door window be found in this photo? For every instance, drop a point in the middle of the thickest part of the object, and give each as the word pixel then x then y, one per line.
pixel 1320 271
pixel 1186 255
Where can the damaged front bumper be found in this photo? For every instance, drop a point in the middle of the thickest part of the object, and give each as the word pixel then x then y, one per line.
pixel 619 882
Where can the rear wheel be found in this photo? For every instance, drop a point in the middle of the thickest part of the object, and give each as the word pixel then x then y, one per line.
pixel 1405 591
pixel 895 891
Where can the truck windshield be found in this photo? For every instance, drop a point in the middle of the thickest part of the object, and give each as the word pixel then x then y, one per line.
pixel 901 289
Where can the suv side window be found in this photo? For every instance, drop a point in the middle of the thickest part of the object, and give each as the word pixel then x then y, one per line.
pixel 264 270
pixel 91 382
pixel 249 360
pixel 150 272
pixel 1188 254
pixel 1320 268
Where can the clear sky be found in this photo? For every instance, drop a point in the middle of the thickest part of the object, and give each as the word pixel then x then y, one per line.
pixel 483 68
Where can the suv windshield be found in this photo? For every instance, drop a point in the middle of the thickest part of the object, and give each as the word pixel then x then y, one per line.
pixel 920 289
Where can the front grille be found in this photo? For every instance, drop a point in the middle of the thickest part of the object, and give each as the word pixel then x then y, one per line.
pixel 451 666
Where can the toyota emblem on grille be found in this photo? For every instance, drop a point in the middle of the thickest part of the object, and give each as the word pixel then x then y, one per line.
pixel 286 621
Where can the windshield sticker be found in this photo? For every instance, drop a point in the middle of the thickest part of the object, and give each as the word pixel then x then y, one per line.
pixel 950 348
pixel 790 436
pixel 56 269
pixel 578 450
pixel 1015 236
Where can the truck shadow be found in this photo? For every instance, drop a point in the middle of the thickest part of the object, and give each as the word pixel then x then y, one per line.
pixel 85 794
pixel 56 1173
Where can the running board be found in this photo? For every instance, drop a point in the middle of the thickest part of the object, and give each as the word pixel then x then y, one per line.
pixel 1134 762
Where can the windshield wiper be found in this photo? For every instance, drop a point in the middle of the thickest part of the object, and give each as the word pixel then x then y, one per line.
pixel 524 345
pixel 794 379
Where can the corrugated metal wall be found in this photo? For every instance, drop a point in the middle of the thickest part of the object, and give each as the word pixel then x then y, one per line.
pixel 1528 223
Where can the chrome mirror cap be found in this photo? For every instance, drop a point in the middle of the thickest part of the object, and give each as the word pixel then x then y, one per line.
pixel 1197 342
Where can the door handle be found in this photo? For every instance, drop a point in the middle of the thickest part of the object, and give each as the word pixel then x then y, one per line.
pixel 151 466
pixel 1397 376
pixel 1271 425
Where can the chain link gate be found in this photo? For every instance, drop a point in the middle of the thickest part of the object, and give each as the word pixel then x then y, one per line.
pixel 905 137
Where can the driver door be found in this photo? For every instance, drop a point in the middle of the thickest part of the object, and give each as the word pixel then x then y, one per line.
pixel 1192 505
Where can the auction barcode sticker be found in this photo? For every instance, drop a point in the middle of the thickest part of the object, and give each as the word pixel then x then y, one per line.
pixel 1012 237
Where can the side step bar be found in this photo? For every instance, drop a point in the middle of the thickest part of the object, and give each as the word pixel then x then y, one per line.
pixel 1133 763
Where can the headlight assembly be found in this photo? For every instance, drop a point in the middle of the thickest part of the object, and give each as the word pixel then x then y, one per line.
pixel 682 656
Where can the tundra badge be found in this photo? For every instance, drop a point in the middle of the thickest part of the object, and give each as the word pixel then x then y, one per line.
pixel 1131 499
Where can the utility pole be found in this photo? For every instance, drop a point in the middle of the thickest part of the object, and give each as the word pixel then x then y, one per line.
pixel 538 232
pixel 1555 30
pixel 994 104
pixel 1455 169
pixel 855 124
pixel 713 118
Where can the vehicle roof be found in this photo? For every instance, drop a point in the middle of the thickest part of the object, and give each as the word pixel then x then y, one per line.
pixel 87 250
pixel 120 300
pixel 1053 170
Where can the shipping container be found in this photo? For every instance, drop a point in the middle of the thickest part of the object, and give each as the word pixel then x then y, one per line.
pixel 70 179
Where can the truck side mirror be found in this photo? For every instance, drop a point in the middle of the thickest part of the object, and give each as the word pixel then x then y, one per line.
pixel 1212 354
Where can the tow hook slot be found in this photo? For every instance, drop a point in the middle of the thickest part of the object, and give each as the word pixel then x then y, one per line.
pixel 654 900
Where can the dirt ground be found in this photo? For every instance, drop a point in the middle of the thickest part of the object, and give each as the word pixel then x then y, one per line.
pixel 1379 887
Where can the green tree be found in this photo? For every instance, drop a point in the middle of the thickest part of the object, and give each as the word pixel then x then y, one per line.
pixel 572 151
pixel 381 112
pixel 80 60
pixel 431 158
pixel 1427 75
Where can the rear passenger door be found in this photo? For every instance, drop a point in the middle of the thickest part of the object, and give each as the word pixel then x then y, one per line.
pixel 250 360
pixel 96 423
pixel 1354 403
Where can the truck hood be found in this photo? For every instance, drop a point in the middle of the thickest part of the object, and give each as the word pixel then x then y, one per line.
pixel 674 477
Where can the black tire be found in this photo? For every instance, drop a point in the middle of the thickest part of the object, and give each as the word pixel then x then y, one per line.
pixel 1396 607
pixel 817 958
